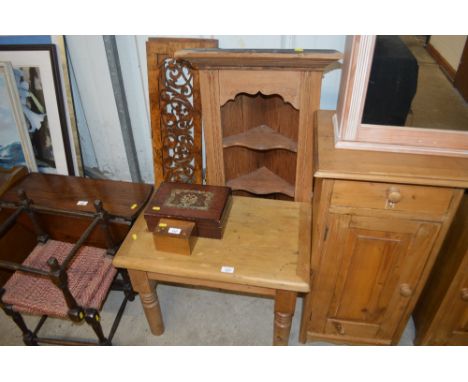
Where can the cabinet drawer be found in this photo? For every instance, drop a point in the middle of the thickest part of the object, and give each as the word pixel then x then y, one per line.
pixel 420 200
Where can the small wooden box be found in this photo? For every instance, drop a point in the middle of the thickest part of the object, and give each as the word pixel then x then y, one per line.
pixel 175 236
pixel 207 206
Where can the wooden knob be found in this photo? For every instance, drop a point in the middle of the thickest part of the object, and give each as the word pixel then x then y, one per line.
pixel 405 290
pixel 464 294
pixel 393 195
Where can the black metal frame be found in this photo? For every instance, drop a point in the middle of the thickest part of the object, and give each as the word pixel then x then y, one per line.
pixel 58 275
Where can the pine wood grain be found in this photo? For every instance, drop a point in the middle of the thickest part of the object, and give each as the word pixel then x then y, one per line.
pixel 417 200
pixel 267 82
pixel 246 111
pixel 285 303
pixel 310 103
pixel 182 242
pixel 384 166
pixel 261 242
pixel 370 261
pixel 279 89
pixel 264 246
pixel 149 299
pixel 260 58
pixel 260 138
pixel 363 266
pixel 262 181
pixel 212 127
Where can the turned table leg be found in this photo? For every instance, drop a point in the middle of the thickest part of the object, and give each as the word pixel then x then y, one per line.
pixel 285 303
pixel 149 300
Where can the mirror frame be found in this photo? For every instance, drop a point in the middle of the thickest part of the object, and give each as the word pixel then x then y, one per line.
pixel 351 133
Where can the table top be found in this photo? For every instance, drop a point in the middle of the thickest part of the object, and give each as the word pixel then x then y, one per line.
pixel 382 166
pixel 267 242
pixel 121 199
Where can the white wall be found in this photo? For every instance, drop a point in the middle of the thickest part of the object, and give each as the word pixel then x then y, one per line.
pixel 89 60
pixel 450 48
pixel 135 89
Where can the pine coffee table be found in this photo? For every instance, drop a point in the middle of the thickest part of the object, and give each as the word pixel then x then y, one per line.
pixel 265 250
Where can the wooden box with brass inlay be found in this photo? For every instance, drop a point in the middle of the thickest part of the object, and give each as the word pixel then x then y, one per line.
pixel 175 236
pixel 207 206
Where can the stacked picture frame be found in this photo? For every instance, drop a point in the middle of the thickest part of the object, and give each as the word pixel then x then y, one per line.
pixel 38 106
pixel 15 145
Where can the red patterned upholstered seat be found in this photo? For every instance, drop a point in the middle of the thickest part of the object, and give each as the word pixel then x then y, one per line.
pixel 90 275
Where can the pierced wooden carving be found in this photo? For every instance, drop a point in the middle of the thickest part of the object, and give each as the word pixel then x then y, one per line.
pixel 172 146
pixel 177 120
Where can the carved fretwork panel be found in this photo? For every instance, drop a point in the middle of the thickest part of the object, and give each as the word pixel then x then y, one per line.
pixel 175 106
pixel 177 121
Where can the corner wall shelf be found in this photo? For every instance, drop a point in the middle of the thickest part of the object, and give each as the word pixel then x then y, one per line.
pixel 261 138
pixel 258 111
pixel 261 182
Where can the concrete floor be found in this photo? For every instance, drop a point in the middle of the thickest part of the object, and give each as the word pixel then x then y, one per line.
pixel 192 317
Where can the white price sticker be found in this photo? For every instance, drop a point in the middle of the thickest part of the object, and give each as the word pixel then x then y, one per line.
pixel 82 203
pixel 226 269
pixel 175 231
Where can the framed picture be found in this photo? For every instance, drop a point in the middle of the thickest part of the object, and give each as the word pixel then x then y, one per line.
pixel 37 76
pixel 64 60
pixel 15 145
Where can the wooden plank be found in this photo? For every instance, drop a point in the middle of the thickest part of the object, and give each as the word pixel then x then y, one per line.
pixel 305 242
pixel 310 103
pixel 267 82
pixel 343 329
pixel 212 284
pixel 260 138
pixel 312 336
pixel 261 181
pixel 376 136
pixel 209 90
pixel 260 58
pixel 384 166
pixel 321 200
